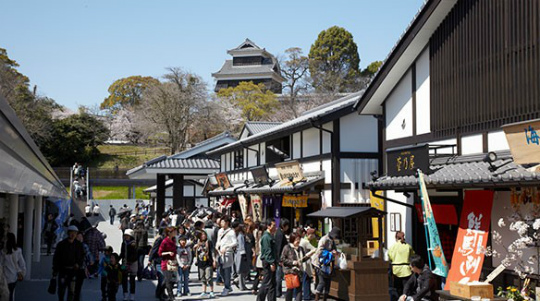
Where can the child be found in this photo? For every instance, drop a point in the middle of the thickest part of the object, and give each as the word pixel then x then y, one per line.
pixel 184 265
pixel 114 276
pixel 103 264
pixel 205 262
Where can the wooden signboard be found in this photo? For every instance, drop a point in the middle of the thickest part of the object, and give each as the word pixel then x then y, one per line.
pixel 290 170
pixel 405 162
pixel 260 175
pixel 297 201
pixel 524 141
pixel 223 180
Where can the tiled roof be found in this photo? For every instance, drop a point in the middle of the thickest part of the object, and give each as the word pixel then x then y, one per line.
pixel 306 120
pixel 229 69
pixel 255 127
pixel 277 187
pixel 173 163
pixel 465 172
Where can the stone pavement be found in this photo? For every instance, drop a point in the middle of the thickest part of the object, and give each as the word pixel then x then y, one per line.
pixel 36 290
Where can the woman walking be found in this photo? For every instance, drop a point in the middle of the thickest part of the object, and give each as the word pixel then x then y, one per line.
pixel 169 264
pixel 225 246
pixel 241 261
pixel 293 257
pixel 14 265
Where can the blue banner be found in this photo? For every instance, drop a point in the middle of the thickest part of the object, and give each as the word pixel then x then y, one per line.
pixel 433 240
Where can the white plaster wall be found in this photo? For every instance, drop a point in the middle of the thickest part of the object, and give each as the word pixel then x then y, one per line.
pixel 222 164
pixel 406 216
pixel 399 109
pixel 327 171
pixel 262 152
pixel 252 155
pixel 327 198
pixel 423 122
pixel 502 208
pixel 327 137
pixel 497 141
pixel 311 166
pixel 446 150
pixel 311 142
pixel 358 133
pixel 272 173
pixel 471 144
pixel 356 171
pixel 296 146
pixel 188 191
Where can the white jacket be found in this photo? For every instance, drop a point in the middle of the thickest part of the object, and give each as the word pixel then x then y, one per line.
pixel 14 264
pixel 226 242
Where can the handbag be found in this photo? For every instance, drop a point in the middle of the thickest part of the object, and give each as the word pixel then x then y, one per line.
pixel 172 265
pixel 149 272
pixel 342 262
pixel 52 286
pixel 292 281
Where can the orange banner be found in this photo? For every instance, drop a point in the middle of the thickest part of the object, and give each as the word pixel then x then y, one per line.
pixel 472 237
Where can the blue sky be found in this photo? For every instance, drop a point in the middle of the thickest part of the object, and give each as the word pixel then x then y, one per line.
pixel 74 49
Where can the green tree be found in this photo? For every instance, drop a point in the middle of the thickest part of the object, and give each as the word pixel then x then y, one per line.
pixel 127 92
pixel 255 101
pixel 334 61
pixel 295 70
pixel 75 139
pixel 371 69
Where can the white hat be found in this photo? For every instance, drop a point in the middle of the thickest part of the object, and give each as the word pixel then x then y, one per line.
pixel 73 228
pixel 129 232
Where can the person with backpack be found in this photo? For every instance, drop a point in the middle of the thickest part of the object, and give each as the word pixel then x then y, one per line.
pixel 326 254
pixel 205 262
pixel 112 214
pixel 114 273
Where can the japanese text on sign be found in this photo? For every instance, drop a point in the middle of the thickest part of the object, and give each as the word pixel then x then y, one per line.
pixel 472 245
pixel 532 136
pixel 405 162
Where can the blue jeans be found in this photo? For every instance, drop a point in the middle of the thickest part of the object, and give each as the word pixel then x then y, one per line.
pixel 306 286
pixel 183 282
pixel 226 276
pixel 160 288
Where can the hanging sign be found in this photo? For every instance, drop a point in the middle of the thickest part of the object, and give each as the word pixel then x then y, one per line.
pixel 297 201
pixel 256 207
pixel 223 180
pixel 524 141
pixel 405 162
pixel 290 171
pixel 243 205
pixel 268 200
pixel 260 175
pixel 472 237
pixel 434 240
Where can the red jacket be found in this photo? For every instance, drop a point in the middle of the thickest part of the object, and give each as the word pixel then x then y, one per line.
pixel 168 245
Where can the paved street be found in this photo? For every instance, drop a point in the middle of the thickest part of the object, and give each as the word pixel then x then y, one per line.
pixel 35 290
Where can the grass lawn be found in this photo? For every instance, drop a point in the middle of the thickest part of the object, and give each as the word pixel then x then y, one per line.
pixel 126 156
pixel 116 192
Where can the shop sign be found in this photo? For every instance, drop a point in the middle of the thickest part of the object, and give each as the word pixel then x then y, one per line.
pixel 260 175
pixel 223 180
pixel 256 207
pixel 290 170
pixel 405 162
pixel 299 201
pixel 524 141
pixel 472 237
pixel 243 205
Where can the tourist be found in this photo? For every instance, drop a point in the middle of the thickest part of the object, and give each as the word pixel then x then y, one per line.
pixel 104 262
pixel 49 232
pixel 169 264
pixel 225 245
pixel 325 254
pixel 257 234
pixel 141 239
pixel 13 264
pixel 114 275
pixel 269 261
pixel 185 258
pixel 128 254
pixel 420 287
pixel 205 262
pixel 95 241
pixel 307 276
pixel 165 221
pixel 124 223
pixel 68 259
pixel 96 210
pixel 112 214
pixel 241 260
pixel 83 273
pixel 400 255
pixel 88 210
pixel 293 259
pixel 155 260
pixel 281 242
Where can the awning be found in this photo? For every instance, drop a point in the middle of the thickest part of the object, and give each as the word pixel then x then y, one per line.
pixel 275 188
pixel 347 212
pixel 464 172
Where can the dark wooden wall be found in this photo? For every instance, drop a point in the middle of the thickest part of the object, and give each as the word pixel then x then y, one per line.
pixel 485 65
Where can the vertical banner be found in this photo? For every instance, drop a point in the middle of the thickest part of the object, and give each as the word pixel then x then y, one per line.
pixel 378 204
pixel 277 210
pixel 472 237
pixel 256 207
pixel 243 205
pixel 267 201
pixel 433 239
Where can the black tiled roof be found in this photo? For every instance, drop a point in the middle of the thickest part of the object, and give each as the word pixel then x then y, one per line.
pixel 276 188
pixel 464 172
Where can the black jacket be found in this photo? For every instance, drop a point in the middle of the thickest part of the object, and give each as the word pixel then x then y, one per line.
pixel 153 255
pixel 422 286
pixel 281 242
pixel 129 252
pixel 68 256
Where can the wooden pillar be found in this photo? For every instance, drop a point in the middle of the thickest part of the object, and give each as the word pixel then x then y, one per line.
pixel 160 197
pixel 178 191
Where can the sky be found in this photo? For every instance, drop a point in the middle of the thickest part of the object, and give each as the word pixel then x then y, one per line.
pixel 73 50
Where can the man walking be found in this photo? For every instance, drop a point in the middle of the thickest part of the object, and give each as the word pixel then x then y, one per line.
pixel 281 242
pixel 112 214
pixel 269 260
pixel 67 260
pixel 324 264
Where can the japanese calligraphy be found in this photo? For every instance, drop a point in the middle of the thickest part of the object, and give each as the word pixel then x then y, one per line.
pixel 405 163
pixel 532 136
pixel 471 246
